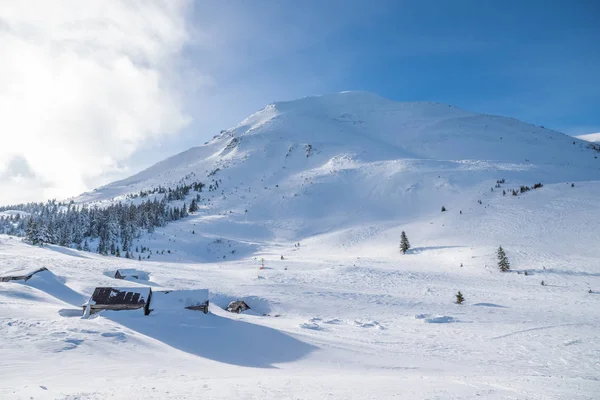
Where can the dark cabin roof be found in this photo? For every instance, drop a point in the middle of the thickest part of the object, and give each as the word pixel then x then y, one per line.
pixel 110 296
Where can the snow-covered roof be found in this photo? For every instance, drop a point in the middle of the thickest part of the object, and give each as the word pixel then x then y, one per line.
pixel 24 271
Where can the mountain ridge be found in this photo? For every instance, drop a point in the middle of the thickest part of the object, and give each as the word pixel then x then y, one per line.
pixel 368 127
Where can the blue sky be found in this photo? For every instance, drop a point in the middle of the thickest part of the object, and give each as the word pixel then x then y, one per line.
pixel 128 84
pixel 533 60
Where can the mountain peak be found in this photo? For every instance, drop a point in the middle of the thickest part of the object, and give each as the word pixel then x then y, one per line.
pixel 290 139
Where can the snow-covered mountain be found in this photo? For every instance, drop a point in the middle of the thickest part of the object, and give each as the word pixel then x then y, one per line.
pixel 355 130
pixel 319 190
pixel 326 164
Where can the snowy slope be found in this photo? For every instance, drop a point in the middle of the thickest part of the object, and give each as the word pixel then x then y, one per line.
pixel 332 163
pixel 348 316
pixel 592 137
pixel 321 188
pixel 362 128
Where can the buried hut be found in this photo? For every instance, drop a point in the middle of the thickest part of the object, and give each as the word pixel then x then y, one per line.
pixel 109 298
pixel 237 306
pixel 172 300
pixel 131 274
pixel 20 274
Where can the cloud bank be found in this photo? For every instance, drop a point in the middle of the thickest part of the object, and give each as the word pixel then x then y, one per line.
pixel 82 86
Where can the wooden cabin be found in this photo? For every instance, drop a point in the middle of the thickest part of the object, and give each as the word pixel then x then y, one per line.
pixel 109 298
pixel 131 274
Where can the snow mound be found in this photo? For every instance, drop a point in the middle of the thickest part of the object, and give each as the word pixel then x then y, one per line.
pixel 436 319
pixel 369 324
pixel 171 300
pixel 258 305
pixel 310 325
pixel 53 285
pixel 129 274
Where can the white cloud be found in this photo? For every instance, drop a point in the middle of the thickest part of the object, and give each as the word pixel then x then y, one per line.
pixel 82 86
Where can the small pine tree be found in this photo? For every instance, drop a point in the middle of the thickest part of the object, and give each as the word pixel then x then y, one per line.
pixel 543 283
pixel 193 206
pixel 503 263
pixel 443 208
pixel 404 243
pixel 139 257
pixel 572 185
pixel 459 298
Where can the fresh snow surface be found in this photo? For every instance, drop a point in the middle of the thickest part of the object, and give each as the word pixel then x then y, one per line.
pixel 344 314
pixel 592 137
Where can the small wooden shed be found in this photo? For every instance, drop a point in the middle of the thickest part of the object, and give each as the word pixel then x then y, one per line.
pixel 132 274
pixel 110 298
pixel 21 275
pixel 237 306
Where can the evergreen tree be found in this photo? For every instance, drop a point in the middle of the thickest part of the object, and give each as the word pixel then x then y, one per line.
pixel 32 231
pixel 404 243
pixel 86 245
pixel 193 206
pixel 503 263
pixel 459 298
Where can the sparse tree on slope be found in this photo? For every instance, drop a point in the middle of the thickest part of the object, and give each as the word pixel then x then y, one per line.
pixel 404 243
pixel 193 206
pixel 459 298
pixel 503 263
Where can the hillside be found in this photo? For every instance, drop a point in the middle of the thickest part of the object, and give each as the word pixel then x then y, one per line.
pixel 339 162
pixel 319 190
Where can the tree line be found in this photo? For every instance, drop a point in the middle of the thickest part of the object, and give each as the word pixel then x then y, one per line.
pixel 111 229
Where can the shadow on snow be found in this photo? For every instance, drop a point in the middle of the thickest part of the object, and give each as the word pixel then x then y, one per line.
pixel 53 285
pixel 417 250
pixel 217 338
pixel 66 250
